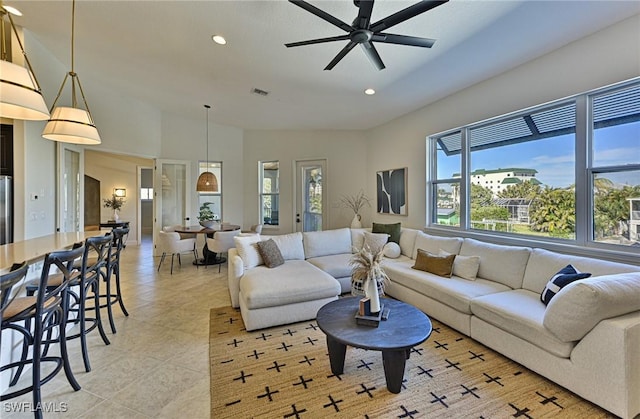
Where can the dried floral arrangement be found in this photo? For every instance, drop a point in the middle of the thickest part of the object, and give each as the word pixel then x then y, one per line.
pixel 355 202
pixel 114 202
pixel 367 264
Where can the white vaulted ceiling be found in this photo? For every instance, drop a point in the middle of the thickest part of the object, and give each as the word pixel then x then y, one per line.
pixel 161 52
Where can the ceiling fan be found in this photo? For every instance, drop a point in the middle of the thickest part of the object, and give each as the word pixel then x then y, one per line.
pixel 365 33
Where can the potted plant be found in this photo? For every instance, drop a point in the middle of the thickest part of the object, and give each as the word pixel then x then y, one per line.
pixel 367 276
pixel 355 203
pixel 206 215
pixel 115 203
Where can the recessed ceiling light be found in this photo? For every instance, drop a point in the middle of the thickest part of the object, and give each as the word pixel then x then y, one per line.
pixel 369 91
pixel 12 10
pixel 219 39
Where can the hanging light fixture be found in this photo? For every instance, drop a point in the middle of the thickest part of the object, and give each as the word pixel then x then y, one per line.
pixel 72 124
pixel 207 181
pixel 20 94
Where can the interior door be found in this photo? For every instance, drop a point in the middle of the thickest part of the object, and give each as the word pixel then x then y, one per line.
pixel 70 188
pixel 172 192
pixel 311 200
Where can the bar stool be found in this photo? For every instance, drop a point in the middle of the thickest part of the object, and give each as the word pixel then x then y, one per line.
pixel 46 311
pixel 113 270
pixel 17 273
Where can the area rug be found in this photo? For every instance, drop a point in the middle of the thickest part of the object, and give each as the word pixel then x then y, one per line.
pixel 284 372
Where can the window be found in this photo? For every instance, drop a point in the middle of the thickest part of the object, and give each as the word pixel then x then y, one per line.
pixel 615 168
pixel 269 172
pixel 214 198
pixel 146 193
pixel 517 173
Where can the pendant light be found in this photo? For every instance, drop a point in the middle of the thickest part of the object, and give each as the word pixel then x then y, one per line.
pixel 20 94
pixel 72 124
pixel 207 181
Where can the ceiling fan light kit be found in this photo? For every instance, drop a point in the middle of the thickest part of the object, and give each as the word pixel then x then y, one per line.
pixel 364 33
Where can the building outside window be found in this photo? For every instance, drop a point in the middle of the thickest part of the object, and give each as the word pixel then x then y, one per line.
pixel 215 198
pixel 527 172
pixel 269 173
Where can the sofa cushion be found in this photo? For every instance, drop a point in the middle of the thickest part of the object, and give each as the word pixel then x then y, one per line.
pixel 327 242
pixel 393 230
pixel 294 282
pixel 503 264
pixel 581 305
pixel 407 241
pixel 561 279
pixel 454 292
pixel 270 253
pixel 543 264
pixel 357 239
pixel 290 246
pixel 335 265
pixel 433 244
pixel 520 313
pixel 248 250
pixel 437 265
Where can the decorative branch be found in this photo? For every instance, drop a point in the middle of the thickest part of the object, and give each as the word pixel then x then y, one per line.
pixel 355 202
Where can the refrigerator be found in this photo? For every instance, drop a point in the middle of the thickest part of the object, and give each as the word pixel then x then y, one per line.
pixel 6 210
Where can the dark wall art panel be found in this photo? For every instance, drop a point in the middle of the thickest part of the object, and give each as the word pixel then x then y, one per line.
pixel 392 191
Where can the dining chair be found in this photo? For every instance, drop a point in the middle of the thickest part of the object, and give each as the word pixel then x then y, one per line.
pixel 221 242
pixel 37 318
pixel 170 243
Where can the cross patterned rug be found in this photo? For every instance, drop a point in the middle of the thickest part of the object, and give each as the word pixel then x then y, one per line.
pixel 284 372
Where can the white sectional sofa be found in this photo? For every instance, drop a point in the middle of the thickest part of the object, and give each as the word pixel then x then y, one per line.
pixel 586 339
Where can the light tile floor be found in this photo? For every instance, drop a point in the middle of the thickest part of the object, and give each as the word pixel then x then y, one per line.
pixel 157 365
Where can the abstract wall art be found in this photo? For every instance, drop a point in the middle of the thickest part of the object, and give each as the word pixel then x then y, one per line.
pixel 392 191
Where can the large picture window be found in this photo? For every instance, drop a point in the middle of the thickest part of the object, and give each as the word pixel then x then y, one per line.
pixel 524 173
pixel 269 192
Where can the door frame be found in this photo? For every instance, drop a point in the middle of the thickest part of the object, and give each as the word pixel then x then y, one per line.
pixel 297 191
pixel 157 197
pixel 61 148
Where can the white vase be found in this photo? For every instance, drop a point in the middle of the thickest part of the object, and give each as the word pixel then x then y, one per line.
pixel 116 216
pixel 371 291
pixel 355 223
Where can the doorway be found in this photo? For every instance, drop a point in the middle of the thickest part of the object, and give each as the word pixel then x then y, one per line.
pixel 311 200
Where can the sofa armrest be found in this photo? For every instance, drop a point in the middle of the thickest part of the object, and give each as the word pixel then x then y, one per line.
pixel 235 272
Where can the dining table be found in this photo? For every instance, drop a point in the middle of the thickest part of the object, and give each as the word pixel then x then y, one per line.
pixel 208 257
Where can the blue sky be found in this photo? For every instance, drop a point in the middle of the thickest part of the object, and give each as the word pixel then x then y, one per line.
pixel 554 158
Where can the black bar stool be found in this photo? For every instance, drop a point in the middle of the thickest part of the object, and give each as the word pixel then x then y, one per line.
pixel 16 274
pixel 113 270
pixel 47 312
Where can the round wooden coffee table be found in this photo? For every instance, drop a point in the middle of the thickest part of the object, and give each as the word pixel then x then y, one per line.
pixel 405 328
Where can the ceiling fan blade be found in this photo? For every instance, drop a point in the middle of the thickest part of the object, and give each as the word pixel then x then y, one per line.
pixel 413 41
pixel 364 14
pixel 322 14
pixel 340 55
pixel 317 41
pixel 405 14
pixel 372 55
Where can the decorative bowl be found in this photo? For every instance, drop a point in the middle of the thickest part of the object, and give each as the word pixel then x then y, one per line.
pixel 207 223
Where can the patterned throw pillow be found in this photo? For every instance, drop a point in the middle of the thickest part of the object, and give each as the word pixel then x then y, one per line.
pixel 437 265
pixel 564 277
pixel 270 253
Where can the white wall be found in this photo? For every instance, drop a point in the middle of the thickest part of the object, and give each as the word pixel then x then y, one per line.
pixel 606 57
pixel 345 152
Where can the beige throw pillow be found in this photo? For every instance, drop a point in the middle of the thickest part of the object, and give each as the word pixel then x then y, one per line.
pixel 464 266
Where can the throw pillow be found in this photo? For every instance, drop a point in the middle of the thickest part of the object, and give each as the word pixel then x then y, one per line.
pixel 375 241
pixel 437 265
pixel 393 230
pixel 270 253
pixel 248 251
pixel 465 267
pixel 391 250
pixel 290 246
pixel 564 277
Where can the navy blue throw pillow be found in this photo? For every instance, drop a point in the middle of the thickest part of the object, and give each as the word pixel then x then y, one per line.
pixel 564 277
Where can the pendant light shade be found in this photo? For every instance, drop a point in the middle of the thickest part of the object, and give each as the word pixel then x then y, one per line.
pixel 207 181
pixel 20 95
pixel 72 124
